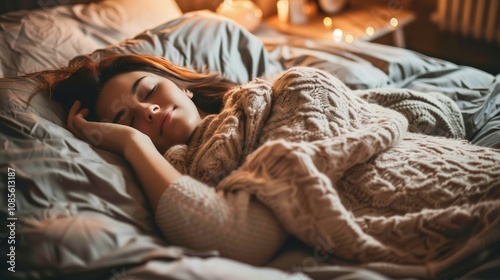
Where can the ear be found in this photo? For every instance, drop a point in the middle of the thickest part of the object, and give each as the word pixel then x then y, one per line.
pixel 188 93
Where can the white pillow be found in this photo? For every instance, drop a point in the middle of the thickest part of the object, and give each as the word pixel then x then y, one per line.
pixel 146 14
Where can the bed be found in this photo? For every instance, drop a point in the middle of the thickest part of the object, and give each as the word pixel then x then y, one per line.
pixel 79 212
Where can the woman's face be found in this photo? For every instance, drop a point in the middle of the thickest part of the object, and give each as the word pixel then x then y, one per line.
pixel 152 104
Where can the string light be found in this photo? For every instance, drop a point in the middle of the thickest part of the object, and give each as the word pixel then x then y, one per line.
pixel 349 38
pixel 327 21
pixel 394 22
pixel 337 34
pixel 370 30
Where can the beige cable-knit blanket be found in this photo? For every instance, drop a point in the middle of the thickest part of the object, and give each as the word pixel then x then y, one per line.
pixel 346 177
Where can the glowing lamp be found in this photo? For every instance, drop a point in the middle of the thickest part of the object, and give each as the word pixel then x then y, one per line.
pixel 244 12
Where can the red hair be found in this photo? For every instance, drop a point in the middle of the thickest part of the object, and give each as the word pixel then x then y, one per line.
pixel 84 79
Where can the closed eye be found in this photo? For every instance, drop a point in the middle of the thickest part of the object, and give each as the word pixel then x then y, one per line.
pixel 146 97
pixel 150 92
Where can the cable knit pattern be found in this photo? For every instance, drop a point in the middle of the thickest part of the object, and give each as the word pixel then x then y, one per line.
pixel 239 227
pixel 430 113
pixel 345 175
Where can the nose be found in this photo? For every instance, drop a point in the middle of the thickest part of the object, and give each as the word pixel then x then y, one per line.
pixel 149 111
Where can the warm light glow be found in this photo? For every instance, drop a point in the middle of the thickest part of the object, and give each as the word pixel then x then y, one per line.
pixel 282 7
pixel 337 35
pixel 327 21
pixel 394 22
pixel 310 9
pixel 370 30
pixel 246 13
pixel 349 38
pixel 257 13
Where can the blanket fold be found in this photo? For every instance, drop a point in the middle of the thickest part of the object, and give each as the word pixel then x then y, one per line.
pixel 430 113
pixel 346 176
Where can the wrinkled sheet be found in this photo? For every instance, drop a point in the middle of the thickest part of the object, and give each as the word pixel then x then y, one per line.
pixel 48 38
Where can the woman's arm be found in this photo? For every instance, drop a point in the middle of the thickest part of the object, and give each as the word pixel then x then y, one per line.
pixel 193 215
pixel 154 172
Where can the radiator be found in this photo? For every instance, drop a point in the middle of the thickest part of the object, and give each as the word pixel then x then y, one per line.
pixel 478 19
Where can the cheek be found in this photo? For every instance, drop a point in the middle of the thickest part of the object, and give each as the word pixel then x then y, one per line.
pixel 145 128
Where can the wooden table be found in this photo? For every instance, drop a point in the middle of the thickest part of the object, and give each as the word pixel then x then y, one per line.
pixel 365 23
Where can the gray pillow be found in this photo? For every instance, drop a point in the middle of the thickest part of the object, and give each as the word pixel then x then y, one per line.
pixel 202 41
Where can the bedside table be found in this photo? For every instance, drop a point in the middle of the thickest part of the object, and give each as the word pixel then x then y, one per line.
pixel 362 22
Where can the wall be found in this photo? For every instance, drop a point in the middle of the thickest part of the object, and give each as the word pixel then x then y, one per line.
pixel 423 36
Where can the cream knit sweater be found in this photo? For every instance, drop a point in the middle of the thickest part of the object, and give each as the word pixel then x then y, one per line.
pixel 332 169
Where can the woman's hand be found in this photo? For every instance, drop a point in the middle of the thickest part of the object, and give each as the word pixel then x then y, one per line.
pixel 110 136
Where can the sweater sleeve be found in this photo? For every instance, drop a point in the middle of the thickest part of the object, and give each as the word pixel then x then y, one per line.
pixel 196 216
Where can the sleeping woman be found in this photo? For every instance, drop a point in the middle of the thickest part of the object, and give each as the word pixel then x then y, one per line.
pixel 237 168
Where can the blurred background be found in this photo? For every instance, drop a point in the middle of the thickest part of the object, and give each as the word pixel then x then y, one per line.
pixel 425 36
pixel 454 30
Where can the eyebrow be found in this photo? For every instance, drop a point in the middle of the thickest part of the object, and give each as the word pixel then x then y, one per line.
pixel 134 90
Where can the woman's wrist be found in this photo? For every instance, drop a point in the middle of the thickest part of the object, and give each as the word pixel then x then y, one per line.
pixel 154 172
pixel 136 141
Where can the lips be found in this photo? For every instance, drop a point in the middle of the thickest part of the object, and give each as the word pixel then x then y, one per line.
pixel 165 120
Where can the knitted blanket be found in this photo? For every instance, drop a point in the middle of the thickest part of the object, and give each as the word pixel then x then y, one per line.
pixel 347 177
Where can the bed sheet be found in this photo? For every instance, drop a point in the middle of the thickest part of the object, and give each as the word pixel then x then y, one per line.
pixel 81 213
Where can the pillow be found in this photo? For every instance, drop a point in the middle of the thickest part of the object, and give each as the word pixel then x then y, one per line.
pixel 31 41
pixel 202 41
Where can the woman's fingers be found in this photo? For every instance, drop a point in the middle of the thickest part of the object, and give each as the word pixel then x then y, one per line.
pixel 109 136
pixel 71 116
pixel 92 132
pixel 76 121
pixel 75 108
pixel 72 112
pixel 84 112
